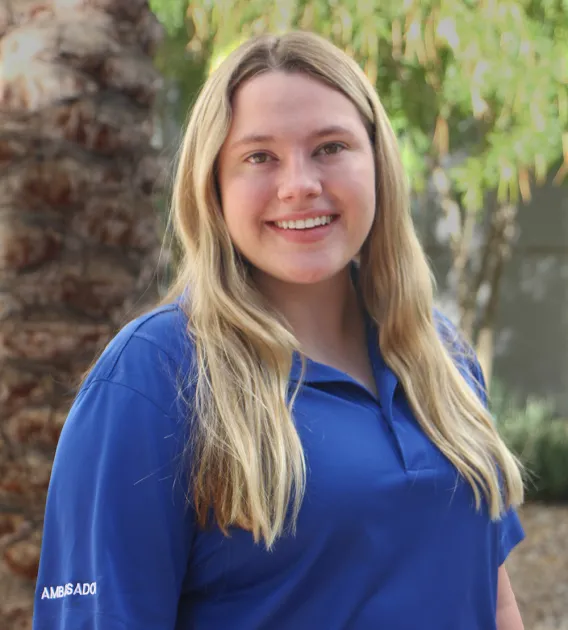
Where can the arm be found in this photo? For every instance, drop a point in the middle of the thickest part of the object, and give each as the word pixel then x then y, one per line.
pixel 509 530
pixel 508 615
pixel 117 534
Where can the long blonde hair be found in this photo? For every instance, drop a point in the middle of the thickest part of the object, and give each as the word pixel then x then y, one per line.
pixel 247 460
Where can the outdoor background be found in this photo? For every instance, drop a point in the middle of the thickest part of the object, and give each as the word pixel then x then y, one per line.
pixel 93 97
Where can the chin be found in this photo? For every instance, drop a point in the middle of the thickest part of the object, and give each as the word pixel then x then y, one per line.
pixel 306 276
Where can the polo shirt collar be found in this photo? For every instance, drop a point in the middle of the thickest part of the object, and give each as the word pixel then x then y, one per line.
pixel 315 372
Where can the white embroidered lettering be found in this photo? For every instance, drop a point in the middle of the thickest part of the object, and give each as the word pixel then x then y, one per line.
pixel 70 589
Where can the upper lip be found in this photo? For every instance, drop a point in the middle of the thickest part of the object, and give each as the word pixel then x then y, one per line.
pixel 298 216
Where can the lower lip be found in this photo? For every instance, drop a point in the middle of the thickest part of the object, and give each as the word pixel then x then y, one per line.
pixel 309 235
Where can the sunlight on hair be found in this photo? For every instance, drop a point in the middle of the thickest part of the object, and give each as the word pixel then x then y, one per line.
pixel 220 55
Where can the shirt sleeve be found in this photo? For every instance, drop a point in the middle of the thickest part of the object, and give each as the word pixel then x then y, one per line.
pixel 118 531
pixel 509 529
pixel 510 532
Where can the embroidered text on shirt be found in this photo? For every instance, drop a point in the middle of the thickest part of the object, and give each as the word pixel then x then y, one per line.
pixel 66 590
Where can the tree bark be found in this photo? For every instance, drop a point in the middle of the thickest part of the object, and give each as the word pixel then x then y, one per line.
pixel 460 247
pixel 461 268
pixel 78 233
pixel 499 251
pixel 477 320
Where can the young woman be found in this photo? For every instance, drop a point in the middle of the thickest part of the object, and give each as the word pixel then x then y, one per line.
pixel 295 440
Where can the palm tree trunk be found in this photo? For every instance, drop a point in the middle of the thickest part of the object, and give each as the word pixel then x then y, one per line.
pixel 78 232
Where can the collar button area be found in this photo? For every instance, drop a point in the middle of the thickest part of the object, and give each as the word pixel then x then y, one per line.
pixel 419 454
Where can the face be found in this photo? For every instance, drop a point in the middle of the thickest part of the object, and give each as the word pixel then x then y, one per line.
pixel 297 178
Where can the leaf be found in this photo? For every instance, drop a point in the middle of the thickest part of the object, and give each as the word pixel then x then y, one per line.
pixel 495 73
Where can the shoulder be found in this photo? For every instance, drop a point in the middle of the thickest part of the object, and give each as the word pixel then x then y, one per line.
pixel 136 387
pixel 151 355
pixel 462 353
pixel 450 334
pixel 117 514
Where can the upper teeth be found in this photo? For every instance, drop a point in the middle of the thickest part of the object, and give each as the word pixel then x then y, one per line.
pixel 304 224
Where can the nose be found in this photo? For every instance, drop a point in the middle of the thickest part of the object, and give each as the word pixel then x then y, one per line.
pixel 300 180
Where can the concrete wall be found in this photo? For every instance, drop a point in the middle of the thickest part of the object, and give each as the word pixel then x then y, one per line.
pixel 532 331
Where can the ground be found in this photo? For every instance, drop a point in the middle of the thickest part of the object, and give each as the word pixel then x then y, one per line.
pixel 538 567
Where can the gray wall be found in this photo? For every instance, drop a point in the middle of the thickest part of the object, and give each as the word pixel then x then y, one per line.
pixel 532 331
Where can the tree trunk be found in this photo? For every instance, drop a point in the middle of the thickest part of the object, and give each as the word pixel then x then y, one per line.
pixel 498 251
pixel 462 271
pixel 78 233
pixel 461 244
pixel 495 251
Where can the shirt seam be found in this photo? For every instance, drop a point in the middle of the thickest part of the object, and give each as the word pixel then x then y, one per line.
pixel 138 335
pixel 135 333
pixel 124 386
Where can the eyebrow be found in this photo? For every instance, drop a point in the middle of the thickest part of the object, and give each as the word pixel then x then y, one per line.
pixel 324 132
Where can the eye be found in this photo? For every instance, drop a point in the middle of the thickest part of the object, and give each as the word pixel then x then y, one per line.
pixel 331 148
pixel 258 158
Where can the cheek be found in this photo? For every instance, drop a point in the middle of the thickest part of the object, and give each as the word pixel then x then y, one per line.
pixel 246 194
pixel 245 201
pixel 367 188
pixel 356 186
pixel 355 174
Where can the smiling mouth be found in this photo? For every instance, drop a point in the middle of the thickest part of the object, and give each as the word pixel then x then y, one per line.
pixel 306 224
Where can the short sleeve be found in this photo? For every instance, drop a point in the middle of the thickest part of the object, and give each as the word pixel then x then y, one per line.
pixel 509 529
pixel 511 533
pixel 117 532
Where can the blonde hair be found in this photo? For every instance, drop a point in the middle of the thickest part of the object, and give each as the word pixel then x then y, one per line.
pixel 247 460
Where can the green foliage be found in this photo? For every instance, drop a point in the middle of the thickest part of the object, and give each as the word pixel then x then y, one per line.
pixel 184 69
pixel 502 67
pixel 539 439
pixel 476 90
pixel 170 13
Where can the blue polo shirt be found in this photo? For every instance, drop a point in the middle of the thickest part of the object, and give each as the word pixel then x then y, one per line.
pixel 388 535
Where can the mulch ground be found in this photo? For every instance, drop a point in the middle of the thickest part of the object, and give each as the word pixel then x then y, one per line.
pixel 538 567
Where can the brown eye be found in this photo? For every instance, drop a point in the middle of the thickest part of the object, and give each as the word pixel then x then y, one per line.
pixel 258 158
pixel 331 148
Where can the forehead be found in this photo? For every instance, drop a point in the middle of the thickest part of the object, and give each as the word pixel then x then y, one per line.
pixel 290 101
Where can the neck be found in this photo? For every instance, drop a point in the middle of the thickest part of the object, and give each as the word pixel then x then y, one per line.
pixel 322 316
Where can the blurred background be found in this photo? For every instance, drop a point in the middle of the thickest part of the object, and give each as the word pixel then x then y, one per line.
pixel 93 99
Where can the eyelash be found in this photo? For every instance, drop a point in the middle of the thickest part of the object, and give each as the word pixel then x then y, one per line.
pixel 338 145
